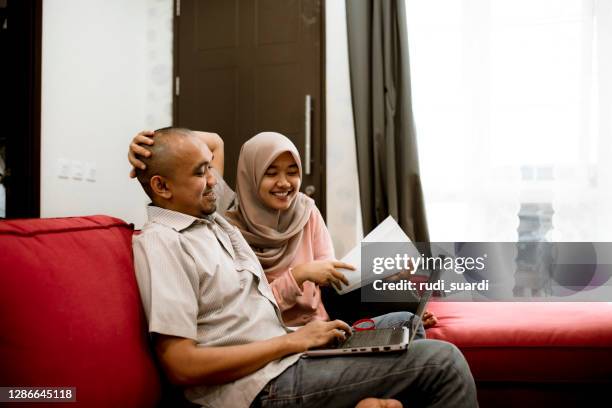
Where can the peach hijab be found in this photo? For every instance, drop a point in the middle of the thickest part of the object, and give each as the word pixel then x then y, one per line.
pixel 274 235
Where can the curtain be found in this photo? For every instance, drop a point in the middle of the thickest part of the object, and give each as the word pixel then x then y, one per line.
pixel 387 158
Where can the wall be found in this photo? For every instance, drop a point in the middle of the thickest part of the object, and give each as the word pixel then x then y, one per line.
pixel 107 73
pixel 102 81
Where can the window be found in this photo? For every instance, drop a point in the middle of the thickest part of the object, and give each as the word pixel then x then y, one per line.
pixel 513 108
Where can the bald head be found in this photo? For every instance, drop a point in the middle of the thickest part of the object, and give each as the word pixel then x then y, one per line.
pixel 166 154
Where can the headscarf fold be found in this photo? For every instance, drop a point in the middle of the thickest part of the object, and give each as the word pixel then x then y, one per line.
pixel 274 235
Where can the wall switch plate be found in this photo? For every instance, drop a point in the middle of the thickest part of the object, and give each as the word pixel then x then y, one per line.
pixel 77 170
pixel 63 168
pixel 90 171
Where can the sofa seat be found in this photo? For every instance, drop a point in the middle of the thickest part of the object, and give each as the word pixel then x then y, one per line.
pixel 538 341
pixel 551 345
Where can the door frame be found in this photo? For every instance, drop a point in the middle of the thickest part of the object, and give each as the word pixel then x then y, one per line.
pixel 321 137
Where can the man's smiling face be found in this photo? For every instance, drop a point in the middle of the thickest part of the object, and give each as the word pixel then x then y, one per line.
pixel 191 182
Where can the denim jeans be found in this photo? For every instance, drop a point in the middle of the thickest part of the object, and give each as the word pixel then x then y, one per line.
pixel 430 373
pixel 399 319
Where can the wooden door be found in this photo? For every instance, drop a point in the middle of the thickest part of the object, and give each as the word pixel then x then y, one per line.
pixel 247 66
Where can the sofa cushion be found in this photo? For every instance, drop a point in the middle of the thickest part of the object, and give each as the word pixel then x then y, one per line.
pixel 536 342
pixel 70 311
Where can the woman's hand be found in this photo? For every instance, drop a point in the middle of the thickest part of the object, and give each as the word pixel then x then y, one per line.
pixel 144 138
pixel 318 333
pixel 322 273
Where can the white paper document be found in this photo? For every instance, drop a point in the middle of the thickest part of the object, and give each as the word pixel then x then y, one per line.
pixel 387 231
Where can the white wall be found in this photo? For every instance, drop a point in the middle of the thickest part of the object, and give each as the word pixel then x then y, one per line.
pixel 100 85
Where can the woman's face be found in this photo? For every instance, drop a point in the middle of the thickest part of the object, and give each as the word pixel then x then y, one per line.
pixel 280 183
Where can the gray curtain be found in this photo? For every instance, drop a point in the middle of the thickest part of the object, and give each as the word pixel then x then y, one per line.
pixel 387 159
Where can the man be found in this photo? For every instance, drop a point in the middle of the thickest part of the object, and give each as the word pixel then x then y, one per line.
pixel 215 324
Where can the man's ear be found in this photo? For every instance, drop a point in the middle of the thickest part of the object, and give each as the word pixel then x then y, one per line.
pixel 160 187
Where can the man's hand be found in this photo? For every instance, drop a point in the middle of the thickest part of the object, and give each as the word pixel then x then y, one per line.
pixel 216 146
pixel 144 138
pixel 318 333
pixel 138 147
pixel 322 273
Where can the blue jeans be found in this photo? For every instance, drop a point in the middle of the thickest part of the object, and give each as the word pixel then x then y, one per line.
pixel 430 373
pixel 399 319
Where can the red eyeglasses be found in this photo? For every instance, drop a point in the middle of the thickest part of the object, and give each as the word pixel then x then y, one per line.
pixel 364 324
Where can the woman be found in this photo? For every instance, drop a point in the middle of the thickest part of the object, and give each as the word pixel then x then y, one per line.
pixel 284 228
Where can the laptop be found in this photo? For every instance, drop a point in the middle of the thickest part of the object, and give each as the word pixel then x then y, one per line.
pixel 379 340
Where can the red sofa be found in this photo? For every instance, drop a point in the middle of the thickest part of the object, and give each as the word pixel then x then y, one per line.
pixel 532 354
pixel 70 312
pixel 70 315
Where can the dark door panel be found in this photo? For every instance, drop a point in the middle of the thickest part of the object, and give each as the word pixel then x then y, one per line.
pixel 246 66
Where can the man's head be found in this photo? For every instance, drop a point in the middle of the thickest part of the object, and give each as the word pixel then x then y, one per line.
pixel 178 175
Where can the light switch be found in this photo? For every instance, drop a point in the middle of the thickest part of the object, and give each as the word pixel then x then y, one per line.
pixel 77 170
pixel 90 171
pixel 63 168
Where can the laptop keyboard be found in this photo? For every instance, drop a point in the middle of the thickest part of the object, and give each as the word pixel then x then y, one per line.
pixel 370 338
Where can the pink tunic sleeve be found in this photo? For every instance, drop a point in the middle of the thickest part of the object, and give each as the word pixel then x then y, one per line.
pixel 285 289
pixel 301 306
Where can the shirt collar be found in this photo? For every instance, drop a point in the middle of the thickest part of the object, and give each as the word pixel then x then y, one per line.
pixel 176 220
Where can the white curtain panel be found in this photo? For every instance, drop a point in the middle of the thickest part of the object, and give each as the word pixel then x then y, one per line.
pixel 513 105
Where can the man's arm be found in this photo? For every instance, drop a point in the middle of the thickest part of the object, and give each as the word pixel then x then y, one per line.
pixel 215 144
pixel 167 278
pixel 187 364
pixel 138 147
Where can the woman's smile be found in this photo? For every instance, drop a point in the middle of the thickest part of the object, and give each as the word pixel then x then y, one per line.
pixel 281 194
